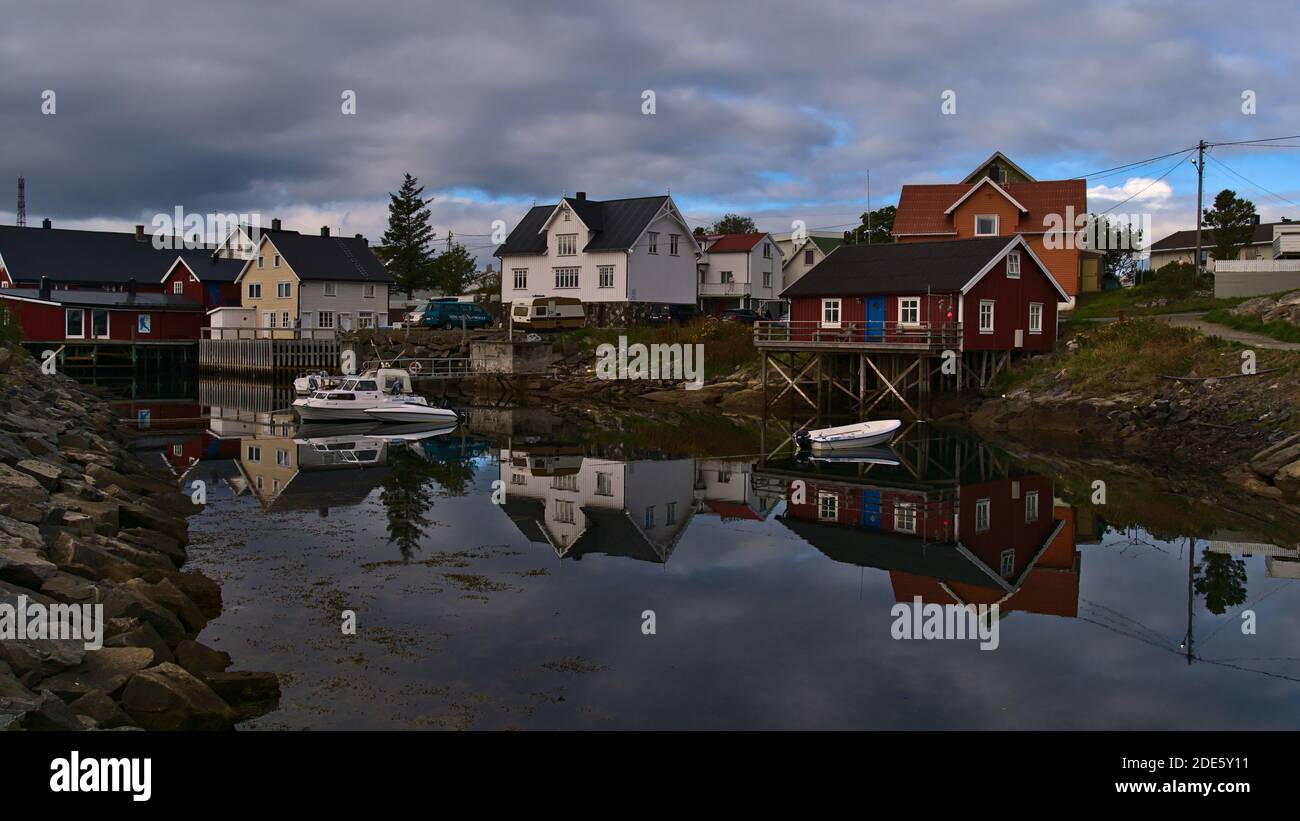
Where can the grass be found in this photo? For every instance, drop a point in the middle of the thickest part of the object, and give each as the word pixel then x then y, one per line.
pixel 1175 284
pixel 727 345
pixel 1277 329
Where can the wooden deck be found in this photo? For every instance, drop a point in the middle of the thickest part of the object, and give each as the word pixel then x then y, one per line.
pixel 857 336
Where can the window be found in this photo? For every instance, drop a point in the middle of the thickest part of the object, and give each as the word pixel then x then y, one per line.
pixel 1031 506
pixel 325 319
pixel 275 261
pixel 569 482
pixel 726 276
pixel 808 256
pixel 564 511
pixel 568 217
pixel 604 485
pixel 178 286
pixel 982 509
pixel 767 279
pixel 566 277
pixel 986 225
pixel 254 453
pixel 1013 265
pixel 905 517
pixel 269 319
pixel 1035 317
pixel 909 310
pixel 518 478
pixel 830 313
pixel 724 477
pixel 74 319
pixel 258 482
pixel 367 292
pixel 767 250
pixel 986 316
pixel 672 244
pixel 99 324
pixel 654 242
pixel 606 276
pixel 365 319
pixel 281 457
pixel 261 261
pixel 670 513
pixel 254 290
pixel 566 244
pixel 828 506
pixel 1008 562
pixel 650 517
pixel 521 279
pixel 285 320
pixel 331 289
pixel 282 290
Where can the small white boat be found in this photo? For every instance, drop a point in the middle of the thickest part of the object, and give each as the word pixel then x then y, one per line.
pixel 411 410
pixel 874 455
pixel 849 437
pixel 308 383
pixel 350 399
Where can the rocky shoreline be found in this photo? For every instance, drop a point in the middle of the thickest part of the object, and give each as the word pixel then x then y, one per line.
pixel 87 528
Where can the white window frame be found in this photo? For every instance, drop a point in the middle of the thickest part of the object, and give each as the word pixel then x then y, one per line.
pixel 906 303
pixel 365 319
pixel 321 320
pixel 905 517
pixel 566 245
pixel 1013 265
pixel 521 279
pixel 983 515
pixel 767 279
pixel 838 304
pixel 564 511
pixel 261 261
pixel 269 319
pixel 275 261
pixel 81 314
pixel 992 305
pixel 283 290
pixel 809 256
pixel 1007 563
pixel 254 290
pixel 604 484
pixel 330 288
pixel 1035 317
pixel 281 457
pixel 767 250
pixel 828 506
pixel 992 233
pixel 254 453
pixel 284 319
pixel 606 273
pixel 649 517
pixel 108 324
pixel 566 272
pixel 1031 506
pixel 178 286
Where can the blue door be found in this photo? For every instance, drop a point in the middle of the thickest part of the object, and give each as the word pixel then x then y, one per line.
pixel 870 509
pixel 875 317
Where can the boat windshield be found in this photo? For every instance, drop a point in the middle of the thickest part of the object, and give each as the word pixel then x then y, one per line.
pixel 348 385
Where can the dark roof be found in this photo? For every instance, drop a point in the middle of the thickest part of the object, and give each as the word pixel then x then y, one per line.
pixel 339 258
pixel 615 224
pixel 527 515
pixel 212 269
pixel 898 267
pixel 1187 239
pixel 313 489
pixel 613 533
pixel 101 257
pixel 108 299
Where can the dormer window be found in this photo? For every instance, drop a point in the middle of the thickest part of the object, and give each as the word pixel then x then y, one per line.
pixel 986 225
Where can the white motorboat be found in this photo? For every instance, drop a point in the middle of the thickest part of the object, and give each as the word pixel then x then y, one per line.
pixel 849 437
pixel 411 409
pixel 350 399
pixel 875 455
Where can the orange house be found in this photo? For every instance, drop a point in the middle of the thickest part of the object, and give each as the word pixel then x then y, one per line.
pixel 1000 199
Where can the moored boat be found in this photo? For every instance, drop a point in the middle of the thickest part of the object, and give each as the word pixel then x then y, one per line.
pixel 849 437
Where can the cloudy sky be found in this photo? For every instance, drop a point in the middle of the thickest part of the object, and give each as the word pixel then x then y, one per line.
pixel 775 110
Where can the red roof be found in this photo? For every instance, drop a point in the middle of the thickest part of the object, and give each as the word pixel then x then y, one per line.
pixel 921 207
pixel 732 510
pixel 734 242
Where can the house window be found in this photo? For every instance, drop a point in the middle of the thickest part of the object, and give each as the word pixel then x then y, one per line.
pixel 521 279
pixel 566 244
pixel 569 482
pixel 1031 506
pixel 808 257
pixel 986 225
pixel 269 318
pixel 564 511
pixel 74 319
pixel 367 292
pixel 982 509
pixel 724 477
pixel 285 317
pixel 670 513
pixel 365 319
pixel 1013 265
pixel 604 485
pixel 726 276
pixel 650 517
pixel 282 290
pixel 606 276
pixel 261 261
pixel 767 279
pixel 830 313
pixel 1035 317
pixel 566 277
pixel 518 478
pixel 275 261
pixel 331 289
pixel 909 310
pixel 281 457
pixel 99 324
pixel 178 286
pixel 254 290
pixel 767 250
pixel 654 242
pixel 254 453
pixel 672 244
pixel 258 482
pixel 325 319
pixel 1008 563
pixel 905 517
pixel 568 217
pixel 828 506
pixel 986 316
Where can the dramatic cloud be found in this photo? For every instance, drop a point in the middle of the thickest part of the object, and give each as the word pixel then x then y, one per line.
pixel 779 111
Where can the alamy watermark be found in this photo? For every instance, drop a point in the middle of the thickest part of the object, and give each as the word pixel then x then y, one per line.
pixel 180 230
pixel 26 620
pixel 1097 232
pixel 918 620
pixel 677 361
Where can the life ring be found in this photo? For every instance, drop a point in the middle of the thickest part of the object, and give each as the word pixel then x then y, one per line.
pixel 414 367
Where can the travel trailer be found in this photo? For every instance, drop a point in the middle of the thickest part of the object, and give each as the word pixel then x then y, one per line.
pixel 544 313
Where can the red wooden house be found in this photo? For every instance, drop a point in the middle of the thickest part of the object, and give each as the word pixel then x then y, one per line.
pixel 88 316
pixel 205 278
pixel 988 294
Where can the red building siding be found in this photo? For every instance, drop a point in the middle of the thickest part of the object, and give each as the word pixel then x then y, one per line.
pixel 1011 300
pixel 41 322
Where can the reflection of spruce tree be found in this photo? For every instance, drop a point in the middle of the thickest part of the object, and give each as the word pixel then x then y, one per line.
pixel 407 496
pixel 1221 579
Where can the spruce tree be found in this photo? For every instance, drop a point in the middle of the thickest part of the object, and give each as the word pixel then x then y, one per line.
pixel 409 236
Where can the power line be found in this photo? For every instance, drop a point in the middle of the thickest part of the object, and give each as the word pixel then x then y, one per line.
pixel 1275 195
pixel 1168 171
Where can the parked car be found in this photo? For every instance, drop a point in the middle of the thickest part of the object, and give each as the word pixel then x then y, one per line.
pixel 681 314
pixel 746 315
pixel 450 315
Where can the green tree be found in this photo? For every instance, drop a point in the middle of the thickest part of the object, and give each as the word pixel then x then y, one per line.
pixel 1119 243
pixel 733 224
pixel 409 235
pixel 1233 221
pixel 881 222
pixel 454 271
pixel 1221 579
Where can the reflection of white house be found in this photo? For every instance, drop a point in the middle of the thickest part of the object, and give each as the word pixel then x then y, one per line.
pixel 633 509
pixel 1279 562
pixel 723 488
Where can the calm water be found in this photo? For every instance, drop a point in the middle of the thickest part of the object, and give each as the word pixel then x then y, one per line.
pixel 771 579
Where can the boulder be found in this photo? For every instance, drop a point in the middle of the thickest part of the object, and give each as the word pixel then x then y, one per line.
pixel 14 484
pixel 105 513
pixel 38 657
pixel 249 693
pixel 1287 479
pixel 78 556
pixel 122 602
pixel 202 591
pixel 153 540
pixel 167 697
pixel 1272 458
pixel 23 566
pixel 174 599
pixel 29 533
pixel 45 473
pixel 140 514
pixel 102 710
pixel 144 635
pixel 46 712
pixel 106 670
pixel 200 659
pixel 10 686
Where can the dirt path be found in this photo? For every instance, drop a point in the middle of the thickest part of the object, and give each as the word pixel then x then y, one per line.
pixel 1195 321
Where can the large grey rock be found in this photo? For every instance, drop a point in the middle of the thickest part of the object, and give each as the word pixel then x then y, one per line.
pixel 175 600
pixel 200 659
pixel 29 533
pixel 22 566
pixel 10 686
pixel 106 670
pixel 153 540
pixel 122 602
pixel 105 513
pixel 144 635
pixel 76 555
pixel 48 712
pixel 46 473
pixel 202 591
pixel 167 697
pixel 102 710
pixel 14 484
pixel 1272 458
pixel 71 588
pixel 38 657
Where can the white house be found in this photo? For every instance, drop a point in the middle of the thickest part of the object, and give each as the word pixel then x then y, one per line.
pixel 740 271
pixel 614 255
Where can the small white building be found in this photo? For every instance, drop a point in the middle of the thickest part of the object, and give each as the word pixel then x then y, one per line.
pixel 740 271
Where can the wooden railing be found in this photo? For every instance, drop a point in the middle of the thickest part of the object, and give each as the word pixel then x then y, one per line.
pixel 881 334
pixel 270 333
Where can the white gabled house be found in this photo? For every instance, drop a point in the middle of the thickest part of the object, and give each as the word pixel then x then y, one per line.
pixel 620 257
pixel 740 271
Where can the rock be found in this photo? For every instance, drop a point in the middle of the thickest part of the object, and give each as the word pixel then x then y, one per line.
pixel 46 474
pixel 135 484
pixel 47 712
pixel 153 540
pixel 167 697
pixel 149 517
pixel 11 687
pixel 1287 479
pixel 29 533
pixel 202 591
pixel 15 484
pixel 200 659
pixel 41 657
pixel 174 599
pixel 143 635
pixel 106 670
pixel 104 513
pixel 84 559
pixel 71 589
pixel 24 567
pixel 1272 458
pixel 121 602
pixel 248 693
pixel 102 710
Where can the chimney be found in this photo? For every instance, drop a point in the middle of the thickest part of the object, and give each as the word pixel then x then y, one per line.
pixel 324 230
pixel 139 233
pixel 360 237
pixel 45 285
pixel 275 224
pixel 582 196
pixel 130 287
pixel 45 223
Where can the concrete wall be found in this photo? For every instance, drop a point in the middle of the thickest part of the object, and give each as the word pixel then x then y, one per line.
pixel 1265 277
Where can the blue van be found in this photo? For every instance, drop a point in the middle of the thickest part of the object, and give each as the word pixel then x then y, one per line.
pixel 452 315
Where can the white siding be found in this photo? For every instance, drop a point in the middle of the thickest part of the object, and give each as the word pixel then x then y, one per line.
pixel 349 301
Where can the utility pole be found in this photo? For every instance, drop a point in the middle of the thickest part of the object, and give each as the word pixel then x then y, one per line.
pixel 868 206
pixel 21 222
pixel 1200 185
